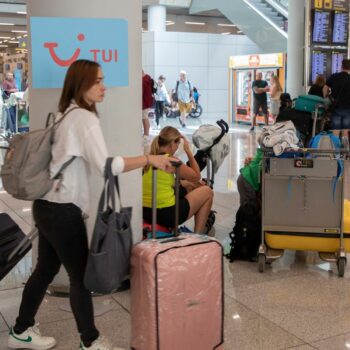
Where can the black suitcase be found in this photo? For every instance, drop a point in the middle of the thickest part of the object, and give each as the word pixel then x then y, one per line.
pixel 14 244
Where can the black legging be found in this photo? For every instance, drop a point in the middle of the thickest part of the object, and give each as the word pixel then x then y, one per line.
pixel 159 110
pixel 62 240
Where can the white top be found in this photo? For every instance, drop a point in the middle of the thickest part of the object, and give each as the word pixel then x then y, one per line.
pixel 162 93
pixel 80 135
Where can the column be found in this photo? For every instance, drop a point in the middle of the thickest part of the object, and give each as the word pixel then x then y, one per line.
pixel 295 47
pixel 156 18
pixel 121 111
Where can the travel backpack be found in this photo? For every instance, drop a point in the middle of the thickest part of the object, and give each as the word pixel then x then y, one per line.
pixel 25 173
pixel 325 140
pixel 246 234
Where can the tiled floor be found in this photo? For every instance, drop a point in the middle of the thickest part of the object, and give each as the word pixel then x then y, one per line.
pixel 299 302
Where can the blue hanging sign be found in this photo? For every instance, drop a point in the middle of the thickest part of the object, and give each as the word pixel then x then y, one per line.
pixel 57 42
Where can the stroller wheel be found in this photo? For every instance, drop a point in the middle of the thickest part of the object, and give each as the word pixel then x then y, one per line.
pixel 197 111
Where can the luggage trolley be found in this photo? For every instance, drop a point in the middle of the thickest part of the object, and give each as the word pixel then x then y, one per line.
pixel 303 205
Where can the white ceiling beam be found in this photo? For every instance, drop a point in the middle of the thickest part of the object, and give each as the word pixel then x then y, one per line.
pixel 12 8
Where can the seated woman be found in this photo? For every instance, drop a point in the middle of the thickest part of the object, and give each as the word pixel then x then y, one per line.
pixel 198 202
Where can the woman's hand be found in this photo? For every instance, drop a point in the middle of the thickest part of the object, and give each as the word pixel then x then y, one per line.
pixel 186 145
pixel 162 162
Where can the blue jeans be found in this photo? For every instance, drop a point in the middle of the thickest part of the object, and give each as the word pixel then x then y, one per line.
pixel 341 119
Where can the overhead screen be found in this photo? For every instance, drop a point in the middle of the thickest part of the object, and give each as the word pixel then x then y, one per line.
pixel 329 37
pixel 321 27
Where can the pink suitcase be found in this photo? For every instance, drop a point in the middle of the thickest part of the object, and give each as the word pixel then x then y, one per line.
pixel 177 293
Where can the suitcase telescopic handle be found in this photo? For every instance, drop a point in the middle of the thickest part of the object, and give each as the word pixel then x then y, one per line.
pixel 176 165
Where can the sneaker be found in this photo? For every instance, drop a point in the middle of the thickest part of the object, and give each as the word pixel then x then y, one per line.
pixel 30 339
pixel 252 129
pixel 100 343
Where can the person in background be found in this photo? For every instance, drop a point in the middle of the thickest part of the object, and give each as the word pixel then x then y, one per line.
pixel 338 87
pixel 275 94
pixel 197 202
pixel 162 98
pixel 184 94
pixel 316 88
pixel 9 85
pixel 260 88
pixel 147 104
pixel 59 214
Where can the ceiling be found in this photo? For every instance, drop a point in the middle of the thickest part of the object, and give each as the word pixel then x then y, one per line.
pixel 12 24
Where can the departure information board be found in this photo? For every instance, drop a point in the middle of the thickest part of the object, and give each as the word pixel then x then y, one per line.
pixel 318 64
pixel 321 27
pixel 340 27
pixel 337 59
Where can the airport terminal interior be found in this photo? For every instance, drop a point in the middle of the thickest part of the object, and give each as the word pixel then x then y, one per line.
pixel 296 301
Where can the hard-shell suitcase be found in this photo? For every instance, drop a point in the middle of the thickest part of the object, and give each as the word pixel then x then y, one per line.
pixel 14 244
pixel 177 292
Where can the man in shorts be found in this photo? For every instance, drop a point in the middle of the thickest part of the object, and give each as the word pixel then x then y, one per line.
pixel 147 103
pixel 338 86
pixel 184 93
pixel 259 87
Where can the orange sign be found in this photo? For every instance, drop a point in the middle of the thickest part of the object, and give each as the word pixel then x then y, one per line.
pixel 264 60
pixel 254 61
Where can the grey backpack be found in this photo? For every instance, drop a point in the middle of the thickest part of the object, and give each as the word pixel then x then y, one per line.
pixel 25 173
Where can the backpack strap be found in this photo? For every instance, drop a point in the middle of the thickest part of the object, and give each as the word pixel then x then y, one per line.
pixel 177 86
pixel 64 165
pixel 190 87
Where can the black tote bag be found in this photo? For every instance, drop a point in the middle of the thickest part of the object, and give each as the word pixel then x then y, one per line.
pixel 108 261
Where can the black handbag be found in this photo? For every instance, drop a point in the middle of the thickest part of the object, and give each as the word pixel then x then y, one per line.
pixel 108 262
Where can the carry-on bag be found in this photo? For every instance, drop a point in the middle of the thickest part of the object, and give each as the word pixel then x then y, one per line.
pixel 308 103
pixel 108 261
pixel 177 291
pixel 14 244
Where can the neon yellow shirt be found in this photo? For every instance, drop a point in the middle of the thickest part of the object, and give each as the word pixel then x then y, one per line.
pixel 165 189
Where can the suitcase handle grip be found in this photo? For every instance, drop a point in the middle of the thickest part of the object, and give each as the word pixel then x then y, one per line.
pixel 24 244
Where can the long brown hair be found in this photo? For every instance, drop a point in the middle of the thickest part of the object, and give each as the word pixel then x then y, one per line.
pixel 80 76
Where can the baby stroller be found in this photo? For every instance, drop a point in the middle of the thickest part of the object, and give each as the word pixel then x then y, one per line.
pixel 213 146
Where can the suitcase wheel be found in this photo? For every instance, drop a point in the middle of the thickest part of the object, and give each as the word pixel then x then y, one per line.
pixel 341 263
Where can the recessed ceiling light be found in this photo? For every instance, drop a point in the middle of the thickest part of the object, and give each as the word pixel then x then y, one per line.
pixel 14 38
pixel 196 23
pixel 18 31
pixel 21 12
pixel 25 35
pixel 4 37
pixel 239 31
pixel 7 24
pixel 226 33
pixel 226 25
pixel 14 42
pixel 4 46
pixel 169 23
